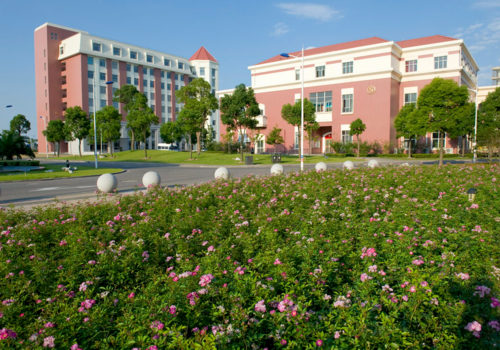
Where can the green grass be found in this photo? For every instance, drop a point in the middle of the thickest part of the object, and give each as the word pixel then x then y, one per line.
pixel 41 174
pixel 206 158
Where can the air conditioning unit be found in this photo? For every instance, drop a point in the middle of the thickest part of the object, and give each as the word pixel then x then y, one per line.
pixel 448 150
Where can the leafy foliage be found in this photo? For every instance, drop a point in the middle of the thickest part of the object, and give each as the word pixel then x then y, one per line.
pixel 12 144
pixel 20 124
pixel 108 126
pixel 407 124
pixel 357 128
pixel 56 133
pixel 77 125
pixel 274 138
pixel 292 114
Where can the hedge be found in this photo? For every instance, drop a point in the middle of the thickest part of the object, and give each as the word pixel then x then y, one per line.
pixel 434 155
pixel 19 162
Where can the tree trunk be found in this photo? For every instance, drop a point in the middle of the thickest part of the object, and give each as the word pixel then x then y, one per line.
pixel 490 154
pixel 110 147
pixel 300 148
pixel 145 144
pixel 58 148
pixel 133 140
pixel 409 148
pixel 241 145
pixel 441 149
pixel 80 147
pixel 357 138
pixel 190 148
pixel 198 142
pixel 463 145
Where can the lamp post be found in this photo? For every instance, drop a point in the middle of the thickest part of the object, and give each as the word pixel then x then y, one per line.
pixel 8 106
pixel 46 143
pixel 301 108
pixel 471 194
pixel 474 159
pixel 95 127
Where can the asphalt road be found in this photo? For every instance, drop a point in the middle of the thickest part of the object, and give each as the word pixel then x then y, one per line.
pixel 22 193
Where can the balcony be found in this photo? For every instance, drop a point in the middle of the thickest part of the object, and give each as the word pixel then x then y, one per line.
pixel 262 121
pixel 322 117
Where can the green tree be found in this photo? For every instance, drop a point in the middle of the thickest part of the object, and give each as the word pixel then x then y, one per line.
pixel 465 126
pixel 238 111
pixel 189 121
pixel 55 133
pixel 140 119
pixel 441 104
pixel 292 115
pixel 488 124
pixel 197 95
pixel 310 129
pixel 408 125
pixel 13 144
pixel 274 138
pixel 20 124
pixel 131 99
pixel 77 125
pixel 228 138
pixel 171 132
pixel 109 123
pixel 357 128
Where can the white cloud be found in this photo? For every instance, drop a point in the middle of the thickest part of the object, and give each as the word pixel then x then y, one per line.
pixel 280 29
pixel 487 4
pixel 476 48
pixel 312 11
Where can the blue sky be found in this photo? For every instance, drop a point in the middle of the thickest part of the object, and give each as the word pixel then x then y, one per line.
pixel 237 33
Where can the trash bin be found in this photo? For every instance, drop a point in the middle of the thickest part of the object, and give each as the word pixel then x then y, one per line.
pixel 276 158
pixel 248 160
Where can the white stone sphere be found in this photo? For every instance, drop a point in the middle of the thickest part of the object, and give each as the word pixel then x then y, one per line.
pixel 348 165
pixel 107 183
pixel 277 169
pixel 151 178
pixel 373 163
pixel 321 166
pixel 222 173
pixel 405 164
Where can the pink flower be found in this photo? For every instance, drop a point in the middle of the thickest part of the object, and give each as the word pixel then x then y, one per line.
pixel 405 297
pixel 413 289
pixel 281 306
pixel 495 325
pixel 260 306
pixel 368 252
pixel 337 335
pixel 365 277
pixel 211 249
pixel 131 295
pixel 7 333
pixel 417 262
pixel 172 309
pixel 372 268
pixel 277 262
pixel 283 342
pixel 206 279
pixel 92 262
pixel 319 342
pixel 49 342
pixel 475 328
pixel 474 206
pixel 495 302
pixel 63 243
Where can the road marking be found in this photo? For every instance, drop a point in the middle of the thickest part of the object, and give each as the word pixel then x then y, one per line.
pixel 59 188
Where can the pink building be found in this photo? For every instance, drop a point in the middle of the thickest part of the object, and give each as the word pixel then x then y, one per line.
pixel 371 79
pixel 68 61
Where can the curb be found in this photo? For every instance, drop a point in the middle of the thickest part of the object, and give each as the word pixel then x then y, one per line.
pixel 59 178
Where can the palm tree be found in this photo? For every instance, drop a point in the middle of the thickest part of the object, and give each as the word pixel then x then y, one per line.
pixel 12 144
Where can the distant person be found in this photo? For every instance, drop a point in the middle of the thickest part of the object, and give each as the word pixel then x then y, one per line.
pixel 252 151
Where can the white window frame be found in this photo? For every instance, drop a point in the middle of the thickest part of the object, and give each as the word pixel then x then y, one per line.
pixel 345 92
pixel 262 141
pixel 325 106
pixel 147 56
pixel 96 43
pixel 410 93
pixel 113 48
pixel 136 55
pixel 167 60
pixel 343 128
pixel 432 140
pixel 347 67
pixel 320 71
pixel 297 74
pixel 409 64
pixel 202 71
pixel 441 62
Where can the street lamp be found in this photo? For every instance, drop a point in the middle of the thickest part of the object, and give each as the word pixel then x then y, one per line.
pixel 46 143
pixel 475 127
pixel 471 193
pixel 301 108
pixel 95 128
pixel 8 106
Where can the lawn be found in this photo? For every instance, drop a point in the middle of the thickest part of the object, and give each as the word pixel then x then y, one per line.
pixel 206 158
pixel 58 172
pixel 384 258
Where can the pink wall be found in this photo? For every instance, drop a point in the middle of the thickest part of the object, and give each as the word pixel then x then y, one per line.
pixel 157 75
pixel 109 77
pixel 122 78
pixel 141 79
pixel 172 81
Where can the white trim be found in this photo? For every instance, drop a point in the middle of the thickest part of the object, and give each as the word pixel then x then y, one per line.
pixel 345 127
pixel 324 139
pixel 48 24
pixel 349 91
pixel 410 90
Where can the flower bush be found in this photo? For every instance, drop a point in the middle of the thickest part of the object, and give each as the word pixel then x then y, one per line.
pixel 391 257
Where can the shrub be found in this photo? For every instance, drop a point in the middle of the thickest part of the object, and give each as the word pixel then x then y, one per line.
pixel 19 162
pixel 434 155
pixel 391 257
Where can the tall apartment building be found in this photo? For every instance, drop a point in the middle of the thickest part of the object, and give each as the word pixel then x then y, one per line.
pixel 495 76
pixel 371 79
pixel 68 60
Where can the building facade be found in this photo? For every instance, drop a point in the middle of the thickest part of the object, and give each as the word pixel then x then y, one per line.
pixel 370 79
pixel 70 62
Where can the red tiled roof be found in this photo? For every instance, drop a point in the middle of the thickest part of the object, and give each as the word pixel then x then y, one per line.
pixel 424 41
pixel 329 48
pixel 203 55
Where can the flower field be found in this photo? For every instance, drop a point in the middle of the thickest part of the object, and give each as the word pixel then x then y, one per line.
pixel 384 258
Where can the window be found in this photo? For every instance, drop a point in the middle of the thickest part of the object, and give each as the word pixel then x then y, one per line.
pixel 213 82
pixel 91 88
pixel 102 76
pixel 90 74
pixel 102 90
pixel 129 68
pixel 176 87
pixel 176 76
pixel 133 55
pixel 347 67
pixel 129 80
pixel 320 71
pixel 91 102
pixel 53 36
pixel 166 62
pixel 61 50
pixel 162 86
pixel 149 58
pixel 213 73
pixel 136 81
pixel 115 78
pixel 136 69
pixel 440 62
pixel 163 97
pixel 180 65
pixel 296 143
pixel 297 74
pixel 347 103
pixel 202 71
pixel 162 74
pixel 411 98
pixel 90 61
pixel 45 66
pixel 153 108
pixel 163 111
pixel 102 63
pixel 45 79
pixel 117 51
pixel 152 84
pixel 346 137
pixel 96 47
pixel 115 104
pixel 169 86
pixel 45 92
pixel 406 143
pixel 168 75
pixel 411 66
pixel 152 96
pixel 114 64
pixel 213 122
pixel 181 77
pixel 169 109
pixel 44 52
pixel 213 92
pixel 322 101
pixel 103 103
pixel 169 98
pixel 145 83
pixel 115 90
pixel 435 139
pixel 151 71
pixel 144 70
